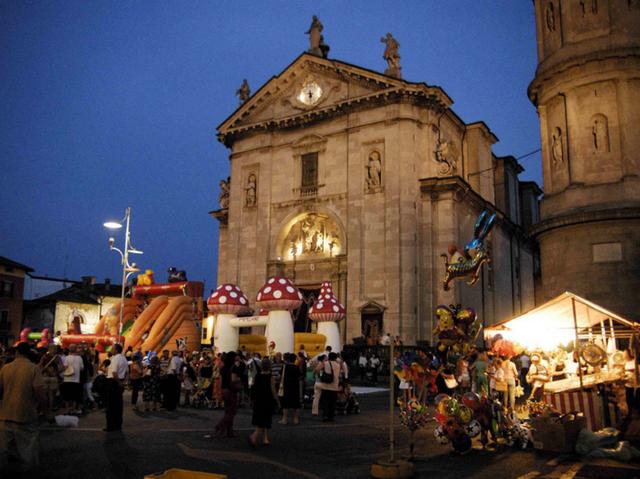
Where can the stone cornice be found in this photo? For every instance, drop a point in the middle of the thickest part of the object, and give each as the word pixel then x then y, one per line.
pixel 583 217
pixel 546 73
pixel 309 200
pixel 351 105
pixel 222 215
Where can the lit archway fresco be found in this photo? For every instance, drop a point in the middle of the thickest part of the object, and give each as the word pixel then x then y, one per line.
pixel 312 235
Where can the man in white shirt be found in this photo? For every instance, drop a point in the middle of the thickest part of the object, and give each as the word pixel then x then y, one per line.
pixel 116 376
pixel 172 396
pixel 71 389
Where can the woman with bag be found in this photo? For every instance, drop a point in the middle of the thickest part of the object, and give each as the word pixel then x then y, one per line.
pixel 511 377
pixel 264 399
pixel 329 384
pixel 289 390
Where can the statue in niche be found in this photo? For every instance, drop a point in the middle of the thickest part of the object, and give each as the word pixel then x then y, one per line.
pixel 550 17
pixel 317 46
pixel 250 197
pixel 223 197
pixel 600 134
pixel 446 157
pixel 557 148
pixel 244 92
pixel 374 170
pixel 392 56
pixel 585 8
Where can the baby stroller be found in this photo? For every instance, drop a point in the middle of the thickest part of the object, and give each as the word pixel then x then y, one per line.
pixel 347 401
pixel 201 398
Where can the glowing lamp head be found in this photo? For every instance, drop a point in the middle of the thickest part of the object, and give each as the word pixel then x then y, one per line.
pixel 112 225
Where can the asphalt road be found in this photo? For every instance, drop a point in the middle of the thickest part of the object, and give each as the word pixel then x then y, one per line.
pixel 153 442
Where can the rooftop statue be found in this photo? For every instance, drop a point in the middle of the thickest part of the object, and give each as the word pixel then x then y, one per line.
pixel 317 46
pixel 392 56
pixel 244 92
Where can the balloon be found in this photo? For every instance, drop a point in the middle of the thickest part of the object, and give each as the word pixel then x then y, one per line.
pixel 453 429
pixel 441 418
pixel 439 398
pixel 473 428
pixel 452 407
pixel 471 400
pixel 440 435
pixel 465 414
pixel 442 407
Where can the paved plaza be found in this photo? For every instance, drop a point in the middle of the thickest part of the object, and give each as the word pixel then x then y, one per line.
pixel 156 441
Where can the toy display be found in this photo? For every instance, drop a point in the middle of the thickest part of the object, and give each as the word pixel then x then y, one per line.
pixel 468 264
pixel 145 279
pixel 457 328
pixel 43 338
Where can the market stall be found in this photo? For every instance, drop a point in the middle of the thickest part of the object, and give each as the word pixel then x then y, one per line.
pixel 588 342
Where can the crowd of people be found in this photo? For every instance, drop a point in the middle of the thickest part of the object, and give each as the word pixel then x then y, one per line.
pixel 53 382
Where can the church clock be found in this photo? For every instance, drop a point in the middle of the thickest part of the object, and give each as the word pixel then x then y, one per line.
pixel 310 93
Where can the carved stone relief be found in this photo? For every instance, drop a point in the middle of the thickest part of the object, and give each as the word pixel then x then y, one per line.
pixel 223 197
pixel 374 171
pixel 557 148
pixel 251 191
pixel 446 155
pixel 550 17
pixel 600 134
pixel 314 234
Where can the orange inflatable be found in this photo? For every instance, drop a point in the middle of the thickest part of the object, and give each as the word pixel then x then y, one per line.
pixel 165 321
pixel 144 321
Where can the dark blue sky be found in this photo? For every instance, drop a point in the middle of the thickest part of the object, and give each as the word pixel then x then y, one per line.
pixel 109 104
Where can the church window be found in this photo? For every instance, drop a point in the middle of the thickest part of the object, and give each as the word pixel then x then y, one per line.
pixel 309 170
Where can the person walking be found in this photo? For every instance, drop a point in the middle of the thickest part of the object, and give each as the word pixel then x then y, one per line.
pixel 231 384
pixel 289 390
pixel 317 390
pixel 116 376
pixel 511 377
pixel 135 376
pixel 480 374
pixel 51 368
pixel 172 382
pixel 264 400
pixel 330 370
pixel 22 391
pixel 362 365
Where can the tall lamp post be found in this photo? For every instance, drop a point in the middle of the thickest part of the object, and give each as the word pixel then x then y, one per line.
pixel 127 268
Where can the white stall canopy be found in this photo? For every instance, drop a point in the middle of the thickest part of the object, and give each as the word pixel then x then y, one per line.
pixel 565 318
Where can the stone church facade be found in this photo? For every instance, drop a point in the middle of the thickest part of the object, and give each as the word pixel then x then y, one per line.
pixel 587 92
pixel 344 174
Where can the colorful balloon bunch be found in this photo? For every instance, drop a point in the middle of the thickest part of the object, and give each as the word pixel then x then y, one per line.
pixel 457 328
pixel 457 424
pixel 413 414
pixel 413 367
pixel 504 347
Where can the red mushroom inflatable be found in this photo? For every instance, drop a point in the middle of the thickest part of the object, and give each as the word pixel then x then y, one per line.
pixel 279 296
pixel 327 311
pixel 227 301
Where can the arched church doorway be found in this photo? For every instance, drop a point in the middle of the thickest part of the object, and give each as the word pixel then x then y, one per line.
pixel 302 323
pixel 372 322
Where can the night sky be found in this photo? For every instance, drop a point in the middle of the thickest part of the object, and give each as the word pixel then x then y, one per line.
pixel 109 104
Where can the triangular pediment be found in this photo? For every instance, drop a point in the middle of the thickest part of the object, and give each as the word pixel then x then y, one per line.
pixel 312 88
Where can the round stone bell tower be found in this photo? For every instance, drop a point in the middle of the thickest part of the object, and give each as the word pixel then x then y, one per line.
pixel 587 92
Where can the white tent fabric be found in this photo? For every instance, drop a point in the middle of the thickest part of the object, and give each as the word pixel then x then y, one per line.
pixel 554 322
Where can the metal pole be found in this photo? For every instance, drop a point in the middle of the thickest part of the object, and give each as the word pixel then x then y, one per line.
pixel 125 265
pixel 575 326
pixel 391 404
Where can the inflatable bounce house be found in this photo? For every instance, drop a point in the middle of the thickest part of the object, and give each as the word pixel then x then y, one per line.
pixel 156 317
pixel 277 298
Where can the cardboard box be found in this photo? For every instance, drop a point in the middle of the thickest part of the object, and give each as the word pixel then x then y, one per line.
pixel 551 435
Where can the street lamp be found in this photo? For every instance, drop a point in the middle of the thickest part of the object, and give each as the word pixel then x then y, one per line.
pixel 127 269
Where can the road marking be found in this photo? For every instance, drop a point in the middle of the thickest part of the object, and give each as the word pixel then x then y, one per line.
pixel 529 475
pixel 242 457
pixel 572 471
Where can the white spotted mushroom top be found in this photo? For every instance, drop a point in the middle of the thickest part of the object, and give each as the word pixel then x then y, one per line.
pixel 279 293
pixel 228 299
pixel 327 307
